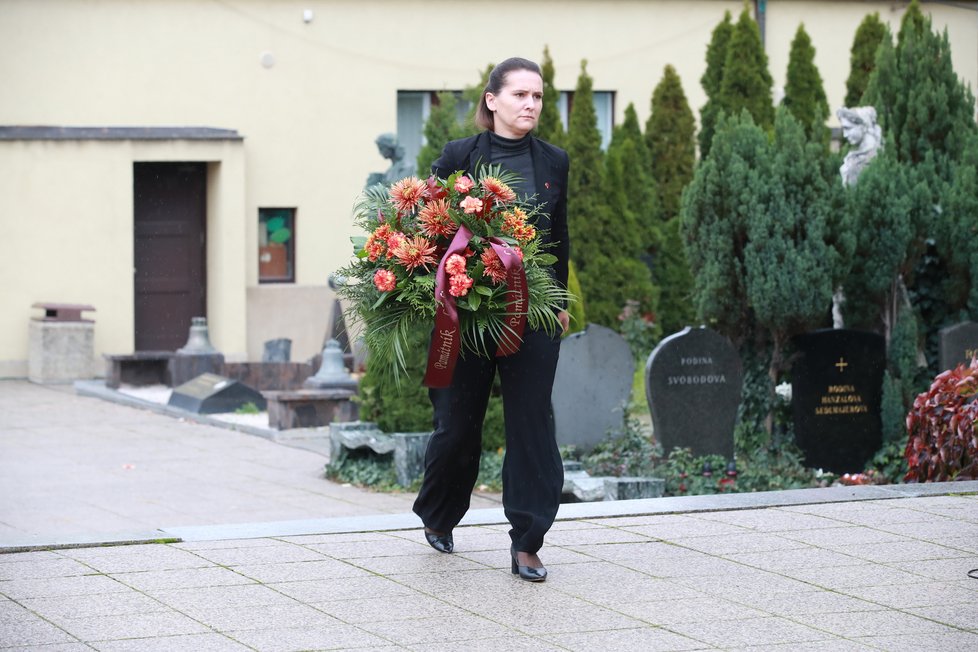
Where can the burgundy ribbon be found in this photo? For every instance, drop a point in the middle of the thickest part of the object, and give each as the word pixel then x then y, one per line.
pixel 516 295
pixel 447 339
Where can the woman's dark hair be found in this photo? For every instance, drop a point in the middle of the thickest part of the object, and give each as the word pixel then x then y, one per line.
pixel 497 79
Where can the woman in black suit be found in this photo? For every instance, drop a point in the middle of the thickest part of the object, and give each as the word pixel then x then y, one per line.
pixel 532 471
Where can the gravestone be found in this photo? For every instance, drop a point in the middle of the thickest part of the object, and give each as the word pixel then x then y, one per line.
pixel 277 350
pixel 836 389
pixel 211 394
pixel 592 386
pixel 958 344
pixel 693 380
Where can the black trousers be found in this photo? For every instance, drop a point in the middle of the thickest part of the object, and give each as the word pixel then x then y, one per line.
pixel 533 475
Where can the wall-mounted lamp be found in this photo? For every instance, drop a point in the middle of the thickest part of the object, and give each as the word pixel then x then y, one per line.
pixel 307 15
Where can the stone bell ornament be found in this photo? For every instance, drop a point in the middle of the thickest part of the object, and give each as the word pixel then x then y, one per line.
pixel 332 373
pixel 199 342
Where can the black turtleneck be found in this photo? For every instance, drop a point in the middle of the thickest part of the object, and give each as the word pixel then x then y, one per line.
pixel 514 155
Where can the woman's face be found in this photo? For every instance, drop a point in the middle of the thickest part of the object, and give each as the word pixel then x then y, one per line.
pixel 516 109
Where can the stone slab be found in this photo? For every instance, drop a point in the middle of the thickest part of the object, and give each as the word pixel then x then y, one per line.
pixel 310 408
pixel 592 387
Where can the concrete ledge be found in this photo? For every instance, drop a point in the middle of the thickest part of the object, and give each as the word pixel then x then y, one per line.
pixel 577 511
pixel 29 543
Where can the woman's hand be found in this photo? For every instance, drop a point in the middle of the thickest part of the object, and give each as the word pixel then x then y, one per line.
pixel 564 318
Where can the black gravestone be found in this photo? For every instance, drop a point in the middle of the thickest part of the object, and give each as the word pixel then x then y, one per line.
pixel 837 384
pixel 693 381
pixel 210 394
pixel 958 344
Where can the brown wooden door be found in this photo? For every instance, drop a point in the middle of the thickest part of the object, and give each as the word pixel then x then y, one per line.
pixel 170 270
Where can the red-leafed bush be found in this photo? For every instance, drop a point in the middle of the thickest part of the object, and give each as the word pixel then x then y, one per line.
pixel 943 442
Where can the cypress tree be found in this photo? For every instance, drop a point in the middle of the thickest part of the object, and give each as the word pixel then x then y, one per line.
pixel 583 146
pixel 712 79
pixel 927 116
pixel 862 58
pixel 549 127
pixel 717 207
pixel 746 80
pixel 441 127
pixel 641 196
pixel 670 135
pixel 602 225
pixel 959 228
pixel 924 109
pixel 804 95
pixel 670 272
pixel 886 206
pixel 789 261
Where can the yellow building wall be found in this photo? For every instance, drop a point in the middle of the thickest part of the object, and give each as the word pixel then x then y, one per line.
pixel 309 98
pixel 66 210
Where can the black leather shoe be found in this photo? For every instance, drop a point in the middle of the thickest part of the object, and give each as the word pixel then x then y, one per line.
pixel 527 573
pixel 440 542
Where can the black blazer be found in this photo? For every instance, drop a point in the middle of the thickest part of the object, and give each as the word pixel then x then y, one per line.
pixel 550 166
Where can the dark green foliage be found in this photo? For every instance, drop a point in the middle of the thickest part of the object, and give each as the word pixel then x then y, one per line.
pixel 398 406
pixel 712 79
pixel 717 207
pixel 494 425
pixel 924 109
pixel 901 355
pixel 549 128
pixel 893 413
pixel 441 127
pixel 754 431
pixel 889 466
pixel 887 206
pixel 804 95
pixel 583 145
pixel 633 180
pixel 610 283
pixel 789 261
pixel 473 95
pixel 670 272
pixel 364 468
pixel 746 79
pixel 958 228
pixel 862 59
pixel 602 222
pixel 639 329
pixel 576 309
pixel 759 235
pixel 631 452
pixel 669 135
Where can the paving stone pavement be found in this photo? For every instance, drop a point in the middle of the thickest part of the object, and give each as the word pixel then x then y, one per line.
pixel 862 568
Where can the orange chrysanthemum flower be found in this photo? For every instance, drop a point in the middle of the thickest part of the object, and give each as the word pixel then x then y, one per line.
pixel 435 219
pixel 498 190
pixel 394 240
pixel 493 266
pixel 374 247
pixel 415 252
pixel 408 193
